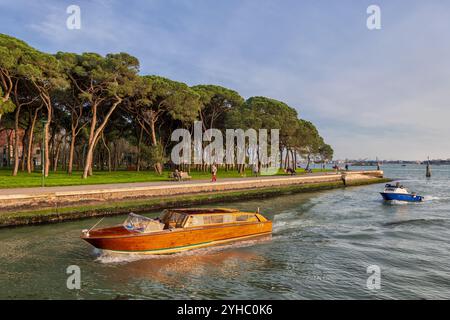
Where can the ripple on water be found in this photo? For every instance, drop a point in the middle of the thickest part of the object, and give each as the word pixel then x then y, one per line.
pixel 417 222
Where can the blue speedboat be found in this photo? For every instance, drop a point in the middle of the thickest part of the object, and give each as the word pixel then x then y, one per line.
pixel 399 193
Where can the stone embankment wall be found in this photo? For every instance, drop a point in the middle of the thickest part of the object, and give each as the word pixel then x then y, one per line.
pixel 42 199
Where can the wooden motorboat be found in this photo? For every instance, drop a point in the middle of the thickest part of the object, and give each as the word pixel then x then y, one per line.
pixel 178 230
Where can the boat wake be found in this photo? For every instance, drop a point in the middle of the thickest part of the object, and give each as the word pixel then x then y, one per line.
pixel 425 198
pixel 431 198
pixel 289 220
pixel 398 203
pixel 107 257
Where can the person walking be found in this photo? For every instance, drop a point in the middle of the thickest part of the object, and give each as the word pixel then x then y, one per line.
pixel 255 170
pixel 177 175
pixel 214 173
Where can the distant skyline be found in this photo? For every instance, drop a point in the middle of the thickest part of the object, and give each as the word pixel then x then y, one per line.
pixel 382 93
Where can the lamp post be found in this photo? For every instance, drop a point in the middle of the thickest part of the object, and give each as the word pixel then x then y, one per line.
pixel 44 122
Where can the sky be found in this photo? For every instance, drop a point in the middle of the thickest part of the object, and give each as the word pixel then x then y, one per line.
pixel 372 93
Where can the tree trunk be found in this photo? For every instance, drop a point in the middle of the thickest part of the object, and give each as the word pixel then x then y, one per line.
pixel 88 162
pixel 16 141
pixel 56 156
pixel 157 166
pixel 24 147
pixel 307 164
pixel 25 142
pixel 95 133
pixel 295 159
pixel 114 156
pixel 8 158
pixel 30 142
pixel 109 152
pixel 91 143
pixel 138 157
pixel 79 161
pixel 293 163
pixel 47 146
pixel 64 154
pixel 286 159
pixel 71 152
pixel 281 157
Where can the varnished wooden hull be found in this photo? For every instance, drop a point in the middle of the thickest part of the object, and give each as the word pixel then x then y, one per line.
pixel 118 239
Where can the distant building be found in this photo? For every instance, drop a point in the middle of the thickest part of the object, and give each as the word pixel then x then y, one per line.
pixel 7 137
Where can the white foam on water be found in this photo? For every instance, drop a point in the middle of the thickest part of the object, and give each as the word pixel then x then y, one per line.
pixel 288 220
pixel 108 257
pixel 398 203
pixel 112 257
pixel 431 198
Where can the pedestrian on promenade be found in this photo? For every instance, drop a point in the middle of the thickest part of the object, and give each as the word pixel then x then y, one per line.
pixel 177 175
pixel 214 173
pixel 291 171
pixel 255 170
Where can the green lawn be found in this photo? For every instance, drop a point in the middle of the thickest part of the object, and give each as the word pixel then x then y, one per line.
pixel 101 177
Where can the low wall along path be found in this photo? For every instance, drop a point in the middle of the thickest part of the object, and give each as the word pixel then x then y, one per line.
pixel 32 198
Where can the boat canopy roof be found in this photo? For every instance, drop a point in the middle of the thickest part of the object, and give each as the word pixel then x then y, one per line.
pixel 397 188
pixel 180 218
pixel 193 211
pixel 394 186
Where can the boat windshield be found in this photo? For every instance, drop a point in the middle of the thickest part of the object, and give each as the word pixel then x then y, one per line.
pixel 139 223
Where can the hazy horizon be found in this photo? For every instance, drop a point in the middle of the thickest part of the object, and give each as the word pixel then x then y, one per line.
pixel 380 93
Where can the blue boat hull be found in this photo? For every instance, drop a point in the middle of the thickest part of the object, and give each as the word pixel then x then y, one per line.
pixel 401 197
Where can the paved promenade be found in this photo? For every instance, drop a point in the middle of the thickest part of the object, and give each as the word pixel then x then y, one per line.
pixel 29 198
pixel 125 186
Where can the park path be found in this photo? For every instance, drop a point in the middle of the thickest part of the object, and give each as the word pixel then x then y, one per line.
pixel 36 191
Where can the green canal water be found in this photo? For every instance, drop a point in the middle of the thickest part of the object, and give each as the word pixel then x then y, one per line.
pixel 321 246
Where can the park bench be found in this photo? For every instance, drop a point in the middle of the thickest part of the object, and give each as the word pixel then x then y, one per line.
pixel 183 176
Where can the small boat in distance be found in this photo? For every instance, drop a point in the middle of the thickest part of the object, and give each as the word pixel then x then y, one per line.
pixel 399 193
pixel 178 230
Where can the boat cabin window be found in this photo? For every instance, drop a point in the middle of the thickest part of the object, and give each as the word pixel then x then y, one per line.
pixel 213 219
pixel 228 218
pixel 246 218
pixel 200 220
pixel 195 220
pixel 204 219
